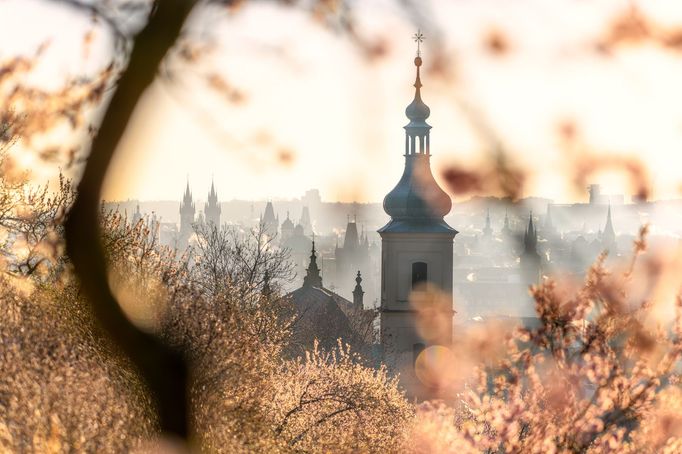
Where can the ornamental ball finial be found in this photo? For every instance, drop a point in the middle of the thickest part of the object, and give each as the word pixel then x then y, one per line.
pixel 417 61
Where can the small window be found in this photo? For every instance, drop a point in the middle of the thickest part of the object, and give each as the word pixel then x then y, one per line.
pixel 419 273
pixel 416 350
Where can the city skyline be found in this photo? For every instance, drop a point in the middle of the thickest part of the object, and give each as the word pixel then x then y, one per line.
pixel 288 227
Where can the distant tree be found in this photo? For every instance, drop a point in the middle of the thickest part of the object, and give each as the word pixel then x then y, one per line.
pixel 31 221
pixel 249 261
pixel 329 401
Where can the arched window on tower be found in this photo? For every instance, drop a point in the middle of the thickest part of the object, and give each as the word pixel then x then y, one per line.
pixel 419 273
pixel 416 350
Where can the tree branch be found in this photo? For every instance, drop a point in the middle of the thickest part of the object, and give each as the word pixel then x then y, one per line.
pixel 163 369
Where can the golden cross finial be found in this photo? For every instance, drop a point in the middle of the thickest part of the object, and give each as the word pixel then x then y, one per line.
pixel 418 38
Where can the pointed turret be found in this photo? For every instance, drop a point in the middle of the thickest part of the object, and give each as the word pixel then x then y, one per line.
pixel 487 230
pixel 269 221
pixel 287 228
pixel 530 239
pixel 137 216
pixel 187 210
pixel 358 292
pixel 530 259
pixel 608 236
pixel 187 196
pixel 212 208
pixel 312 277
pixel 351 242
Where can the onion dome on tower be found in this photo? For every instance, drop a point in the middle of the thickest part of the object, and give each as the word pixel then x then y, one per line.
pixel 417 203
pixel 287 228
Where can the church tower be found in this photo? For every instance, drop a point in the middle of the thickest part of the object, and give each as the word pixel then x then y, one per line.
pixel 305 221
pixel 269 221
pixel 137 216
pixel 416 253
pixel 487 230
pixel 608 238
pixel 187 210
pixel 358 293
pixel 212 209
pixel 530 261
pixel 506 230
pixel 313 277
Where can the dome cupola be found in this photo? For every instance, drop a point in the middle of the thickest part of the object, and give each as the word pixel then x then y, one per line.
pixel 417 203
pixel 417 111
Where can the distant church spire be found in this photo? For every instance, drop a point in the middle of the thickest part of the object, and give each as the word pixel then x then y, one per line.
pixel 407 204
pixel 188 192
pixel 137 216
pixel 312 277
pixel 530 259
pixel 212 209
pixel 609 234
pixel 187 211
pixel 530 239
pixel 358 292
pixel 487 230
pixel 269 221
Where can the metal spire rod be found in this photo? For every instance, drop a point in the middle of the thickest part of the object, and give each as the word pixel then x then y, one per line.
pixel 419 39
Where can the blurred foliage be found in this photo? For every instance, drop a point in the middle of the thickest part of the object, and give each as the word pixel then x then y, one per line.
pixel 599 373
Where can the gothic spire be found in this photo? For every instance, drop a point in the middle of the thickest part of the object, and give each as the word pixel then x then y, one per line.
pixel 530 240
pixel 212 194
pixel 187 202
pixel 212 208
pixel 312 277
pixel 609 234
pixel 351 242
pixel 188 193
pixel 530 260
pixel 487 230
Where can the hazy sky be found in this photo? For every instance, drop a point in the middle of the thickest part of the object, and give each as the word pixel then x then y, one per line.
pixel 310 95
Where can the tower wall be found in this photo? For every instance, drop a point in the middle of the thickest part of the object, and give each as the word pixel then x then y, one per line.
pixel 212 213
pixel 400 336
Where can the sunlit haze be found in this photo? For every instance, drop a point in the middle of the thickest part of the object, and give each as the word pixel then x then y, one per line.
pixel 314 111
